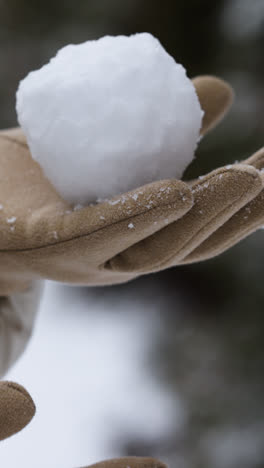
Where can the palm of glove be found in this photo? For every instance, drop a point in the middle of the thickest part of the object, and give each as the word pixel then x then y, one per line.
pixel 42 236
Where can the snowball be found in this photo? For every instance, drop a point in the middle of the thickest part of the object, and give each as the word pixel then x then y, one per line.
pixel 110 115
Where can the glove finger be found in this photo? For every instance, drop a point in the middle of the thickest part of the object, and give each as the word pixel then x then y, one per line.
pixel 148 209
pixel 256 160
pixel 16 409
pixel 215 96
pixel 217 197
pixel 14 135
pixel 86 239
pixel 242 224
pixel 130 462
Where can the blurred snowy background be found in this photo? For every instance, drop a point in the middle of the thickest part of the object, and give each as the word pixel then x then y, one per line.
pixel 170 365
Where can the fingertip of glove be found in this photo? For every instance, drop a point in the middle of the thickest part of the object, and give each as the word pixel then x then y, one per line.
pixel 256 160
pixel 248 171
pixel 14 135
pixel 235 171
pixel 215 96
pixel 130 462
pixel 250 179
pixel 149 462
pixel 19 389
pixel 16 408
pixel 237 183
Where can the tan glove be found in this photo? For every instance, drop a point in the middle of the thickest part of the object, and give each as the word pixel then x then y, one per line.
pixel 151 228
pixel 43 237
pixel 17 315
pixel 16 408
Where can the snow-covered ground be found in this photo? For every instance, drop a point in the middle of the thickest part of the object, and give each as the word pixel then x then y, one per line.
pixel 86 368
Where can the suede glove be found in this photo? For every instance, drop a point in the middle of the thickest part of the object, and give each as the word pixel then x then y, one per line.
pixel 157 226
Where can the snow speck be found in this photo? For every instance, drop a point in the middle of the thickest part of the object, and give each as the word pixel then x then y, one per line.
pixel 131 226
pixel 114 202
pixel 99 96
pixel 11 220
pixel 77 207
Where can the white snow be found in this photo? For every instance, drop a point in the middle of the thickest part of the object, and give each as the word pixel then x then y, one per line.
pixel 11 220
pixel 110 115
pixel 131 226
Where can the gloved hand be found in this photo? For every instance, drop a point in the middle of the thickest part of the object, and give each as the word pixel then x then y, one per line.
pixel 151 228
pixel 17 314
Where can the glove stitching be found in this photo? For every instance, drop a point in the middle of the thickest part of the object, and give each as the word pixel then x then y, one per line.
pixel 167 205
pixel 224 247
pixel 13 140
pixel 235 238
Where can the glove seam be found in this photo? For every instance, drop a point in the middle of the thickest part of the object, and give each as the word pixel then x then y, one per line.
pixel 93 232
pixel 259 160
pixel 229 243
pixel 13 140
pixel 224 247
